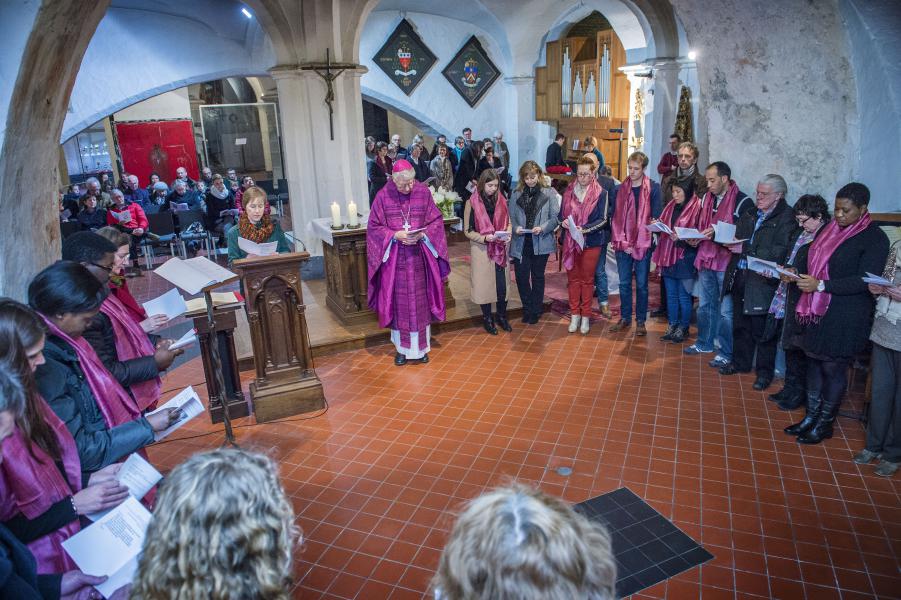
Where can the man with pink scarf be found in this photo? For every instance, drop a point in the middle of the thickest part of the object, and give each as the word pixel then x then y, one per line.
pixel 638 200
pixel 407 262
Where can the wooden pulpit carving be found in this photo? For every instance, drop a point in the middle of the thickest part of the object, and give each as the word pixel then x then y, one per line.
pixel 286 382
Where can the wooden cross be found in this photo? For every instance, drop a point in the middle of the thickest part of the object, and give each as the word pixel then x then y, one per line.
pixel 324 70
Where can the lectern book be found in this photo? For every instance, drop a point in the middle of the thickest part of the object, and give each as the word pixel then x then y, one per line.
pixel 194 274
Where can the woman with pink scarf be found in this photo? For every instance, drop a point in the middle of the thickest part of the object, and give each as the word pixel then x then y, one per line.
pixel 836 306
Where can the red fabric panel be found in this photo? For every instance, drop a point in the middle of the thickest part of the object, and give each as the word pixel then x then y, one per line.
pixel 158 146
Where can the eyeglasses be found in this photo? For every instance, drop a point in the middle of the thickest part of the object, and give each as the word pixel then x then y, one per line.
pixel 802 220
pixel 107 269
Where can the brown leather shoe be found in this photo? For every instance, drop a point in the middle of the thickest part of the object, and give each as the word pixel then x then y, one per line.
pixel 620 325
pixel 605 310
pixel 640 330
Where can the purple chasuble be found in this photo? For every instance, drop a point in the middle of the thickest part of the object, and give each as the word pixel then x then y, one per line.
pixel 406 291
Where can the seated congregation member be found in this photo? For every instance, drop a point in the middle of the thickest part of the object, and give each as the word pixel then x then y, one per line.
pixel 220 207
pixel 767 234
pixel 246 182
pixel 406 251
pixel 99 413
pixel 836 307
pixel 159 191
pixel 676 259
pixel 181 175
pixel 638 200
pixel 442 169
pixel 118 284
pixel 379 170
pixel 134 192
pixel 811 213
pixel 132 221
pixel 419 162
pixel 116 336
pixel 534 208
pixel 180 194
pixel 590 144
pixel 92 188
pixel 206 177
pixel 255 224
pixel 42 493
pixel 222 528
pixel 722 202
pixel 155 179
pixel 91 217
pixel 19 579
pixel 589 206
pixel 518 542
pixel 884 422
pixel 553 157
pixel 485 214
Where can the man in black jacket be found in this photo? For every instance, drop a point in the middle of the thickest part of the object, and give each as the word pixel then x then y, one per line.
pixel 554 155
pixel 767 233
pixel 97 254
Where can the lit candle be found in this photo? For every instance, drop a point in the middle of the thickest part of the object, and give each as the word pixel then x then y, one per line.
pixel 352 214
pixel 336 215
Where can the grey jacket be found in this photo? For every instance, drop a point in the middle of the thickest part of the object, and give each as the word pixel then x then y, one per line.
pixel 546 218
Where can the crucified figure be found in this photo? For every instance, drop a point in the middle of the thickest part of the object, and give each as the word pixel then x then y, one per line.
pixel 325 71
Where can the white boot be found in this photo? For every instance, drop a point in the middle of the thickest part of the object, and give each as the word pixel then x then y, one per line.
pixel 586 323
pixel 574 323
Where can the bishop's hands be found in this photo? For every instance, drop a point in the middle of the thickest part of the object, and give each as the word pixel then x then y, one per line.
pixel 408 238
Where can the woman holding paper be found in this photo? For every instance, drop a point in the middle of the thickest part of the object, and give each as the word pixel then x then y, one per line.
pixel 586 207
pixel 676 259
pixel 255 224
pixel 487 225
pixel 836 307
pixel 42 494
pixel 534 207
pixel 102 417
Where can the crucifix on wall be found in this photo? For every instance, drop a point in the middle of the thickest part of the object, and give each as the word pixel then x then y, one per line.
pixel 329 72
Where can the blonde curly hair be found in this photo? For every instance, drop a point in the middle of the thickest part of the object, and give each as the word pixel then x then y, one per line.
pixel 222 529
pixel 518 543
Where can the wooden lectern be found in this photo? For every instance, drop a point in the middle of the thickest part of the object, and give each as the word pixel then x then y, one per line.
pixel 285 382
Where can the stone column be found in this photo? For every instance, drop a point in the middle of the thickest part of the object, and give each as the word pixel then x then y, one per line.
pixel 527 138
pixel 320 170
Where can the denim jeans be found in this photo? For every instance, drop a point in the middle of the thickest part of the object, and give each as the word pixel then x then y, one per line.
pixel 600 277
pixel 625 265
pixel 678 301
pixel 724 333
pixel 710 285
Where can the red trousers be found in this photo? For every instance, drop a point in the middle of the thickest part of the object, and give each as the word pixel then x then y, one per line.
pixel 580 281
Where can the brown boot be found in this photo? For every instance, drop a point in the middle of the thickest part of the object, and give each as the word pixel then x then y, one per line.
pixel 620 325
pixel 640 330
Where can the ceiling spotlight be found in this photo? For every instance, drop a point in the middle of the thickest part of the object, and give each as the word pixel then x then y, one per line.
pixel 692 55
pixel 246 13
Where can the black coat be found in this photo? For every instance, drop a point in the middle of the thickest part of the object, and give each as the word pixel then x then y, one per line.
pixel 845 328
pixel 377 177
pixel 61 382
pixel 554 156
pixel 101 336
pixel 90 221
pixel 214 206
pixel 18 572
pixel 792 330
pixel 421 167
pixel 466 172
pixel 771 242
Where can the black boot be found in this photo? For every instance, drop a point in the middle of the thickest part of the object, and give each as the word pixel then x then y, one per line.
pixel 814 402
pixel 399 359
pixel 792 398
pixel 501 320
pixel 822 429
pixel 668 334
pixel 780 395
pixel 488 324
pixel 678 335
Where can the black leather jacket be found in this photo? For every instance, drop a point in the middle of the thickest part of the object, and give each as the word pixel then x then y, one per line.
pixel 101 336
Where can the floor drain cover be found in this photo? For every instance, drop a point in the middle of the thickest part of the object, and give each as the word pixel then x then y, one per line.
pixel 564 471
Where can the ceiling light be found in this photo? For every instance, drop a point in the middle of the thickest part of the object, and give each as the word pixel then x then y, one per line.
pixel 246 13
pixel 692 55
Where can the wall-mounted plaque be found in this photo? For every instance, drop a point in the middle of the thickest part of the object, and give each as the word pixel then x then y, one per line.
pixel 405 58
pixel 471 72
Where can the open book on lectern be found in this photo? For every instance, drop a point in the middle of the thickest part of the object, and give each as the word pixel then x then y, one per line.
pixel 194 274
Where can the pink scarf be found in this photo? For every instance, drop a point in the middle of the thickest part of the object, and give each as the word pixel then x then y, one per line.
pixel 629 230
pixel 132 342
pixel 580 212
pixel 668 252
pixel 813 305
pixel 713 256
pixel 497 251
pixel 31 483
pixel 112 399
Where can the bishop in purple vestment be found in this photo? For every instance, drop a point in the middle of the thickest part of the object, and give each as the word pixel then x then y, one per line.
pixel 407 256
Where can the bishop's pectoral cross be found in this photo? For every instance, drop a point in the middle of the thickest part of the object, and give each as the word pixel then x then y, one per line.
pixel 406 227
pixel 324 70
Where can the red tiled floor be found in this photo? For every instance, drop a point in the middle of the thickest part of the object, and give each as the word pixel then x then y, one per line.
pixel 377 478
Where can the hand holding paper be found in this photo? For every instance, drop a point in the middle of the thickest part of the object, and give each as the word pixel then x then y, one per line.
pixel 575 232
pixel 188 405
pixel 724 233
pixel 137 476
pixel 251 247
pixel 171 304
pixel 186 340
pixel 689 233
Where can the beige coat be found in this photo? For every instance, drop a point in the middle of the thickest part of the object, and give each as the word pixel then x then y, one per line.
pixel 483 289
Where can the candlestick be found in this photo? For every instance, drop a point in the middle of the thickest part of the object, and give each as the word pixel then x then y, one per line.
pixel 336 216
pixel 352 214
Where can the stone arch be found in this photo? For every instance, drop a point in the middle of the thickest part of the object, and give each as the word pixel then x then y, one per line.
pixel 426 123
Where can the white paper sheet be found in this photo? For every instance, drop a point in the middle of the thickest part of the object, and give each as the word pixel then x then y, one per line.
pixel 194 274
pixel 575 232
pixel 172 304
pixel 689 233
pixel 138 476
pixel 186 340
pixel 178 206
pixel 762 266
pixel 111 545
pixel 122 217
pixel 501 236
pixel 658 227
pixel 724 233
pixel 878 280
pixel 251 247
pixel 190 406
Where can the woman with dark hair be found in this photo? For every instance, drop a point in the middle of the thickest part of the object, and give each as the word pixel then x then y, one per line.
pixel 836 307
pixel 99 413
pixel 533 218
pixel 811 212
pixel 91 217
pixel 484 215
pixel 42 492
pixel 379 170
pixel 220 207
